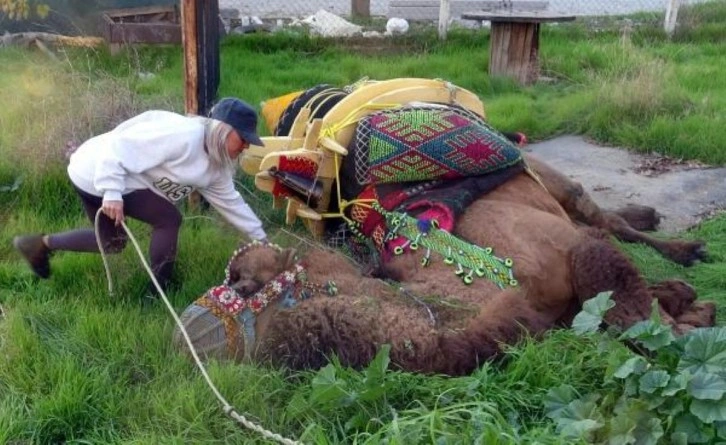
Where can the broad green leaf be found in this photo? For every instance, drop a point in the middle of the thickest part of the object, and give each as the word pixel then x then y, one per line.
pixel 621 430
pixel 593 311
pixel 709 411
pixel 692 427
pixel 585 323
pixel 377 368
pixel 358 421
pixel 648 431
pixel 371 393
pixel 580 418
pixel 631 387
pixel 720 429
pixel 327 388
pixel 679 439
pixel 706 386
pixel 704 350
pixel 655 312
pixel 557 399
pixel 671 407
pixel 298 405
pixel 639 329
pixel 648 428
pixel 654 401
pixel 375 375
pixel 633 365
pixel 580 429
pixel 652 335
pixel 677 383
pixel 652 381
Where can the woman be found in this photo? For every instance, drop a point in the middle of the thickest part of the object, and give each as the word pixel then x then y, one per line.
pixel 141 169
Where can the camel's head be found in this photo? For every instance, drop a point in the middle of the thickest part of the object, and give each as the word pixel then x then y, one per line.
pixel 223 323
pixel 256 264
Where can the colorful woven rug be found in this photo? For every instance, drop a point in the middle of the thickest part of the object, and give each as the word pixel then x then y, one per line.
pixel 427 142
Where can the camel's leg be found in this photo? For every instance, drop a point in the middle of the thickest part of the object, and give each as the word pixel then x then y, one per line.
pixel 641 218
pixel 578 204
pixel 702 314
pixel 674 296
pixel 505 319
pixel 678 298
pixel 597 266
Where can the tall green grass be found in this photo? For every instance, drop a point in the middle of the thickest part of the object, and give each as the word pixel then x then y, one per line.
pixel 77 366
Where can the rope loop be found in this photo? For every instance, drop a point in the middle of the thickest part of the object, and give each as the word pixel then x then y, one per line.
pixel 226 407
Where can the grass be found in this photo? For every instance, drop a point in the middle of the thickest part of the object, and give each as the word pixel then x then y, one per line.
pixel 77 366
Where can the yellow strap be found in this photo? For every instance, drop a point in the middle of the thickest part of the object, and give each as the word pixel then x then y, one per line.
pixel 353 118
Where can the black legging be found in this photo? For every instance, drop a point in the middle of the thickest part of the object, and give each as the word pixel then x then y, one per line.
pixel 144 205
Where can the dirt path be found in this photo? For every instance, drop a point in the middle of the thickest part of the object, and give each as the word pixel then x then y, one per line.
pixel 683 192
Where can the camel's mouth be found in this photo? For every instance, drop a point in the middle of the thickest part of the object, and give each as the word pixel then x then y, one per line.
pixel 246 288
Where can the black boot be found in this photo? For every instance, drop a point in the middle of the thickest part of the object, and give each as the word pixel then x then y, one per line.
pixel 35 252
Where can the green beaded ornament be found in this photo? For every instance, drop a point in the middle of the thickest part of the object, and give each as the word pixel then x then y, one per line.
pixel 470 260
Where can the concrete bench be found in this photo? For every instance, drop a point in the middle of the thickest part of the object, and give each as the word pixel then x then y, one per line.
pixel 428 10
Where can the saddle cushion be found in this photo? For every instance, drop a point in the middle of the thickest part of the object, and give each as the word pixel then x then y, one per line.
pixel 425 142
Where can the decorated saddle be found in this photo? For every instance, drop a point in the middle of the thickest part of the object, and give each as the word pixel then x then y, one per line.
pixel 397 160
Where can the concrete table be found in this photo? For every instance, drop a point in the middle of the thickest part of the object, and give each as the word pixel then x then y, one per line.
pixel 514 45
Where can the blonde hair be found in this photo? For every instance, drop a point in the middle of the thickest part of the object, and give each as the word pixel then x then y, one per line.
pixel 215 143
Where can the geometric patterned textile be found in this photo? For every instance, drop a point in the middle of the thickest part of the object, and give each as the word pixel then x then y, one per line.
pixel 297 165
pixel 427 142
pixel 444 201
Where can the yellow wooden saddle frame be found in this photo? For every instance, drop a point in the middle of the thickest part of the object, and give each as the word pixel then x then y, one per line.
pixel 324 140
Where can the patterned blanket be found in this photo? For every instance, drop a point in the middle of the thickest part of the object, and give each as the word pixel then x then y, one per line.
pixel 423 143
pixel 442 201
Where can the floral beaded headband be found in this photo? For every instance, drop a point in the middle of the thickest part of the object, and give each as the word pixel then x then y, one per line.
pixel 243 250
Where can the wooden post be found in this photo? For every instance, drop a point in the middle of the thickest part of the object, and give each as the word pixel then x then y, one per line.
pixel 444 17
pixel 514 51
pixel 191 56
pixel 208 26
pixel 360 8
pixel 671 16
pixel 200 39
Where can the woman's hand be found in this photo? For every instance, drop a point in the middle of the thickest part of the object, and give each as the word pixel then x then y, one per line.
pixel 114 210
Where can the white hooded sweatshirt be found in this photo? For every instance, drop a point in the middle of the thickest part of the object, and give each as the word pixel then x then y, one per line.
pixel 163 152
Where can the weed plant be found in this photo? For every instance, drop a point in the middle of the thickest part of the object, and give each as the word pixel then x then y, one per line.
pixel 78 366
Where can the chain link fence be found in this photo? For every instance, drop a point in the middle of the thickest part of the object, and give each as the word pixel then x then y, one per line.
pixel 326 17
pixel 251 15
pixel 284 9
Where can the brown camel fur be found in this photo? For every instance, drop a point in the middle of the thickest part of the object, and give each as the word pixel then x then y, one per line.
pixel 437 324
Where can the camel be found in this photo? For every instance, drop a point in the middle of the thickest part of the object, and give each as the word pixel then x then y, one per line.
pixel 557 241
pixel 434 322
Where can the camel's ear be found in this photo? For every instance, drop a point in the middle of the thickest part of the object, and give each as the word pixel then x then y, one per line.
pixel 288 257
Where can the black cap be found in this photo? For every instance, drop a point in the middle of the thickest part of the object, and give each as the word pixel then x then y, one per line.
pixel 240 116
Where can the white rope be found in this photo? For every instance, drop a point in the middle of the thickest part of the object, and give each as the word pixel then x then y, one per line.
pixel 228 409
pixel 103 253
